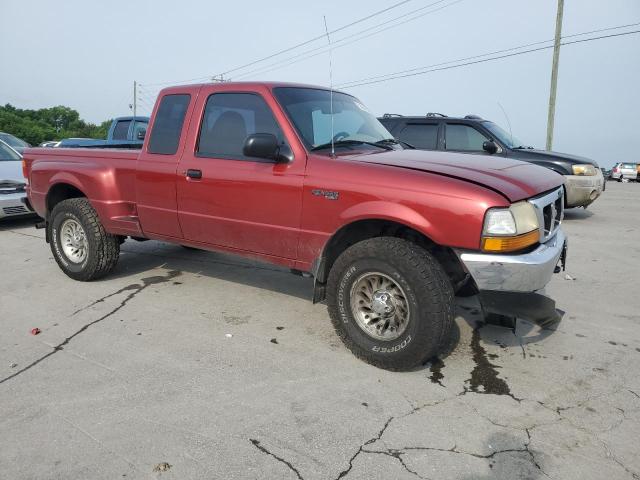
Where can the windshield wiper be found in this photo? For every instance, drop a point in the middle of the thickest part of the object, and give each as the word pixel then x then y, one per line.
pixel 393 141
pixel 523 147
pixel 342 143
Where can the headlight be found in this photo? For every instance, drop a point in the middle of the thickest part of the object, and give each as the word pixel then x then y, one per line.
pixel 584 169
pixel 510 229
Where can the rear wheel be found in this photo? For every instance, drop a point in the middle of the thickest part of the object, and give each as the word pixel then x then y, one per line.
pixel 79 243
pixel 390 302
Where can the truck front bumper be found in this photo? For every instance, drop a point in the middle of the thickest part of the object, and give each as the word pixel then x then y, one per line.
pixel 13 205
pixel 513 285
pixel 583 190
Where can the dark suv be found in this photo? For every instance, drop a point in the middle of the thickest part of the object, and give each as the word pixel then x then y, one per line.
pixel 472 134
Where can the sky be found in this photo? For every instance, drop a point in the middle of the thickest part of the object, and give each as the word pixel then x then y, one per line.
pixel 87 54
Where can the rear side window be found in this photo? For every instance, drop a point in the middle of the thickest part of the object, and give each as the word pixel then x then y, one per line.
pixel 464 138
pixel 228 119
pixel 167 126
pixel 121 130
pixel 421 135
pixel 137 128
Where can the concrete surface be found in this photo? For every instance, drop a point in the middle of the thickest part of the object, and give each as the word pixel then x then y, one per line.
pixel 170 369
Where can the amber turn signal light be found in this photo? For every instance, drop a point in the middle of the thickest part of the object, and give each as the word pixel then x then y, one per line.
pixel 511 243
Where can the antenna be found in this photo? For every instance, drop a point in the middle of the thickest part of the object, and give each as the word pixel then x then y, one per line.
pixel 333 151
pixel 508 122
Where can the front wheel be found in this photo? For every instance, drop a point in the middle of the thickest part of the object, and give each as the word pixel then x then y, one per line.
pixel 79 243
pixel 390 302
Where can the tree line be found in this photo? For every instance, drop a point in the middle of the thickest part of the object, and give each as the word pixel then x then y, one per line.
pixel 55 123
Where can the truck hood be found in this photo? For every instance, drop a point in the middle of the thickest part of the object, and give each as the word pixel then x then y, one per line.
pixel 534 154
pixel 513 179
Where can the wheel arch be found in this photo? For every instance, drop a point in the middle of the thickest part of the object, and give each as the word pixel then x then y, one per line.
pixel 366 228
pixel 60 191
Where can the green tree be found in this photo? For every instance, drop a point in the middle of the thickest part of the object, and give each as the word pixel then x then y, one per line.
pixel 55 123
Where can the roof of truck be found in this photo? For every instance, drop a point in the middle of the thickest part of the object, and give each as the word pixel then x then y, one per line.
pixel 270 85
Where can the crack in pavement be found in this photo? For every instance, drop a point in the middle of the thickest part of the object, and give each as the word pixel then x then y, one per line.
pixel 591 433
pixel 258 445
pixel 398 452
pixel 361 449
pixel 134 290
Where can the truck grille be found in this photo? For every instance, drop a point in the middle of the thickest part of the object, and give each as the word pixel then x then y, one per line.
pixel 552 215
pixel 550 210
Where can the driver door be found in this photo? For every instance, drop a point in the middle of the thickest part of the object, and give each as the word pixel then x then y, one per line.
pixel 230 200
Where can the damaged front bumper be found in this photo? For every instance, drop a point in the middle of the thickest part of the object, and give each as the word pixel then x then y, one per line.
pixel 583 190
pixel 513 285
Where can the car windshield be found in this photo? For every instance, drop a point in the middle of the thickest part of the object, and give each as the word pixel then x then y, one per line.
pixel 504 137
pixel 7 153
pixel 13 141
pixel 310 111
pixel 628 165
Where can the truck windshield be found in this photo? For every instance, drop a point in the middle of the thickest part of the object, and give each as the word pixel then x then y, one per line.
pixel 310 111
pixel 504 137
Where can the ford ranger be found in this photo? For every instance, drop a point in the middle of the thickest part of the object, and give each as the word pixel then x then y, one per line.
pixel 308 179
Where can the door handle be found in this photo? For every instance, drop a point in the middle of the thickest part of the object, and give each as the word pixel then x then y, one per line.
pixel 193 173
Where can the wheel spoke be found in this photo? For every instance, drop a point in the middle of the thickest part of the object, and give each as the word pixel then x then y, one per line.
pixel 379 306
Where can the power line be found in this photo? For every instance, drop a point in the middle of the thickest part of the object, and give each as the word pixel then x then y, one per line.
pixel 288 49
pixel 319 37
pixel 495 52
pixel 392 76
pixel 342 42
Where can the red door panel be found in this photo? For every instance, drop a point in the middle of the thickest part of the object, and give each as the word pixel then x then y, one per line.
pixel 252 206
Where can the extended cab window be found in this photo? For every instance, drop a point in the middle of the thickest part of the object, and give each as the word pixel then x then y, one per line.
pixel 463 138
pixel 421 135
pixel 121 130
pixel 167 125
pixel 227 121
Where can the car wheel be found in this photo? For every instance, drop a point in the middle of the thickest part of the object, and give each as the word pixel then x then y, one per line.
pixel 79 243
pixel 390 302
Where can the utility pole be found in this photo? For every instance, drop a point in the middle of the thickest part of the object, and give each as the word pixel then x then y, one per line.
pixel 135 98
pixel 554 75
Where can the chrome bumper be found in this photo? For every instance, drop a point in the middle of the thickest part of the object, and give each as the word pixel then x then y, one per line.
pixel 583 190
pixel 528 272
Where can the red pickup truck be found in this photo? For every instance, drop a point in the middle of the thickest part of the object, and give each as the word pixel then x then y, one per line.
pixel 307 178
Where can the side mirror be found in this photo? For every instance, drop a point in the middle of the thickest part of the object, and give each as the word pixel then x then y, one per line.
pixel 265 145
pixel 141 134
pixel 490 147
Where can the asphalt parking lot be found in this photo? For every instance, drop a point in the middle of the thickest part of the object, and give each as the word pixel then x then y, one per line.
pixel 187 364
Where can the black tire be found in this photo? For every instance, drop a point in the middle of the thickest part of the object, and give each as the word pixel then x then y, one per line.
pixel 428 292
pixel 103 249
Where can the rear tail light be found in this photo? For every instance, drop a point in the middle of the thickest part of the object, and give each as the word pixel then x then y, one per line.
pixel 25 171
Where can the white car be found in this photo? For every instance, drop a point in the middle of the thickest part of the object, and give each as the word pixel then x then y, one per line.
pixel 12 184
pixel 622 171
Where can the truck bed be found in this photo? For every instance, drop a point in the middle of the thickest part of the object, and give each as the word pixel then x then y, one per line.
pixel 102 174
